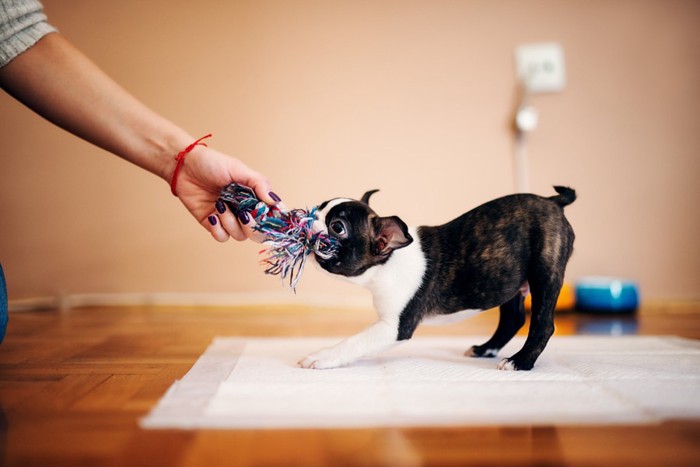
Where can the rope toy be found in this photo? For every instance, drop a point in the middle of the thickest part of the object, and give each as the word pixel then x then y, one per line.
pixel 288 234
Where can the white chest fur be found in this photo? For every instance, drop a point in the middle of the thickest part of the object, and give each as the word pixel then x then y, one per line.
pixel 395 282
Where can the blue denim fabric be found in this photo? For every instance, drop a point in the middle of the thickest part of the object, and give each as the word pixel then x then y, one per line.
pixel 3 305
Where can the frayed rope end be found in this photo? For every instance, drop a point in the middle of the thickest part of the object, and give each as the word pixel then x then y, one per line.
pixel 289 235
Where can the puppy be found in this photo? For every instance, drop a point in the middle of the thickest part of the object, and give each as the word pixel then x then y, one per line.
pixel 492 256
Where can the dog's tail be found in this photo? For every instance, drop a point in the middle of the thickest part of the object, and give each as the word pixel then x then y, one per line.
pixel 565 197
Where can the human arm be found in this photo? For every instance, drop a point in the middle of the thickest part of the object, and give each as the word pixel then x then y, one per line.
pixel 57 81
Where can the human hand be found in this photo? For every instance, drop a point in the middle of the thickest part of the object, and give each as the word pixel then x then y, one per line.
pixel 202 176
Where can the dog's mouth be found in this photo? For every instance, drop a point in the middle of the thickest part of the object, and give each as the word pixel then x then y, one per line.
pixel 339 267
pixel 329 265
pixel 325 245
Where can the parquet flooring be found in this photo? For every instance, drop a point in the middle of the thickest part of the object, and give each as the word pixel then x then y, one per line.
pixel 74 383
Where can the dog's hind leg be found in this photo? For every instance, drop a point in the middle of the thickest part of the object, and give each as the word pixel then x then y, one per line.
pixel 544 299
pixel 511 319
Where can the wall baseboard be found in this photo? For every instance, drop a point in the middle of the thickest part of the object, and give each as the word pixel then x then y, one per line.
pixel 186 299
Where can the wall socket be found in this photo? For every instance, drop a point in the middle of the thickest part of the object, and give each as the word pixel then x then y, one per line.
pixel 540 67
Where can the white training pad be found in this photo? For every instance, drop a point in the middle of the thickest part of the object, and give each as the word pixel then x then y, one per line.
pixel 255 383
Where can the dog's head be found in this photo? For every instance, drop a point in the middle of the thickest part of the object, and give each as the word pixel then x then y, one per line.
pixel 364 238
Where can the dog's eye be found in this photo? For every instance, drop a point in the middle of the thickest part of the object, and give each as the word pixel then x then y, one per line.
pixel 337 227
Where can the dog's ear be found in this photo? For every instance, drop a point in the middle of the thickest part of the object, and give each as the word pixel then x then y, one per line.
pixel 366 196
pixel 390 233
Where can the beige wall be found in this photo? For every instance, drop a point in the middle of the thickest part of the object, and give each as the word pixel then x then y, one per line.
pixel 331 98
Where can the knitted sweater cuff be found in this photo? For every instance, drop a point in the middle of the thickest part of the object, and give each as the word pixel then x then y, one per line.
pixel 22 24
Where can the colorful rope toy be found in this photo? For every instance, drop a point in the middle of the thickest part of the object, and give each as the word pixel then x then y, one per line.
pixel 288 234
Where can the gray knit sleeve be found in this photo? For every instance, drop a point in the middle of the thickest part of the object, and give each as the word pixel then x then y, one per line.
pixel 22 24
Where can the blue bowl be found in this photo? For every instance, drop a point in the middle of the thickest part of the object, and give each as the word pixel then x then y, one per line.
pixel 606 295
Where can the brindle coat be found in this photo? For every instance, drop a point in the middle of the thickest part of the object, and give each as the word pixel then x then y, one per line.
pixel 480 260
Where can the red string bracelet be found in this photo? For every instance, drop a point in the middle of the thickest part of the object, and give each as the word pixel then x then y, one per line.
pixel 181 158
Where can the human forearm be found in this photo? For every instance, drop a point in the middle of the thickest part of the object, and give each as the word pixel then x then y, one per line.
pixel 61 84
pixel 58 82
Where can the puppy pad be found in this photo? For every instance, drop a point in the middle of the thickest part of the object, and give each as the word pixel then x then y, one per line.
pixel 251 383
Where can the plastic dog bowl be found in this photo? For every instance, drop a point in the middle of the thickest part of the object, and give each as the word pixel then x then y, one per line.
pixel 606 295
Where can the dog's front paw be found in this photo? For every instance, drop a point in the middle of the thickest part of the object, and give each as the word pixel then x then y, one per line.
pixel 322 360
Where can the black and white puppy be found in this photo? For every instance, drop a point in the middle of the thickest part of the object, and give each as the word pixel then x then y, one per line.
pixel 489 257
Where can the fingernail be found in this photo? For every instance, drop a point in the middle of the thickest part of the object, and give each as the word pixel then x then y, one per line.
pixel 275 197
pixel 220 206
pixel 244 217
pixel 212 220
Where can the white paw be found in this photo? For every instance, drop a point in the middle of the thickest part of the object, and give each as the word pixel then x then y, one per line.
pixel 507 365
pixel 322 360
pixel 471 352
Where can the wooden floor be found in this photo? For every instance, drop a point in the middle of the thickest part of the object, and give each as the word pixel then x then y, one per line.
pixel 74 383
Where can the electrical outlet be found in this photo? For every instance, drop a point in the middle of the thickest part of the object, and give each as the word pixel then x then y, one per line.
pixel 540 67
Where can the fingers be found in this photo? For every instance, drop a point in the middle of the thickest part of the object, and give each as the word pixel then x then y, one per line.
pixel 223 224
pixel 262 189
pixel 213 225
pixel 241 227
pixel 244 222
pixel 248 226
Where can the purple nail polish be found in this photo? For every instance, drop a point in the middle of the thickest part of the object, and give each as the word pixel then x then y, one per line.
pixel 212 220
pixel 220 206
pixel 275 197
pixel 244 217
